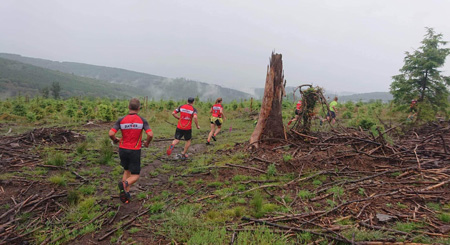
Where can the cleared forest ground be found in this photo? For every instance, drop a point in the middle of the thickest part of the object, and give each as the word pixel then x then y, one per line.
pixel 58 185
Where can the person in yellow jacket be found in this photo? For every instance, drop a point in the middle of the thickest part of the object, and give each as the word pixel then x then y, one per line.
pixel 217 118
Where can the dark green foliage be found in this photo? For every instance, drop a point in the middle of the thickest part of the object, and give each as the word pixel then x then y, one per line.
pixel 420 77
pixel 106 151
pixel 56 159
pixel 45 91
pixel 56 90
pixel 16 78
pixel 126 83
pixel 366 123
pixel 73 197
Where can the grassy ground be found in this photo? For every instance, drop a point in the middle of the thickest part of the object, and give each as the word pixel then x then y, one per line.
pixel 198 201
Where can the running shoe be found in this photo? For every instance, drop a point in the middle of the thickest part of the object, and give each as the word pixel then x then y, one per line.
pixel 169 151
pixel 214 137
pixel 184 157
pixel 208 143
pixel 123 193
pixel 128 196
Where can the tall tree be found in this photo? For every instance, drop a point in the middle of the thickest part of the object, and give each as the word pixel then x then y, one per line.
pixel 420 77
pixel 45 92
pixel 56 89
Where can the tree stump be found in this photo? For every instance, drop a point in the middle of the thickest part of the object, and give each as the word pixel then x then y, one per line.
pixel 270 121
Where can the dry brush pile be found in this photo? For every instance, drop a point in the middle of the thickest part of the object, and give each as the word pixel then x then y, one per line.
pixel 348 179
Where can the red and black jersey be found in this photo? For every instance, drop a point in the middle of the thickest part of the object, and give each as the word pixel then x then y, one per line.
pixel 187 112
pixel 132 126
pixel 299 104
pixel 216 110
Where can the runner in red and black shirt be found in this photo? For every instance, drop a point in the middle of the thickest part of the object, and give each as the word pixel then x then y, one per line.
pixel 298 109
pixel 217 118
pixel 132 127
pixel 184 127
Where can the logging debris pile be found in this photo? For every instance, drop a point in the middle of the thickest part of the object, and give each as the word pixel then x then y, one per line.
pixel 310 97
pixel 17 149
pixel 349 178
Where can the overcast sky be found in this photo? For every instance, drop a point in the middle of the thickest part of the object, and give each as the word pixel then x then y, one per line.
pixel 340 45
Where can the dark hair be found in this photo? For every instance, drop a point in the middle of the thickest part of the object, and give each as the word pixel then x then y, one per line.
pixel 218 100
pixel 134 105
pixel 191 100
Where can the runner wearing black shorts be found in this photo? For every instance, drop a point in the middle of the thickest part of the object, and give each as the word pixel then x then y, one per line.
pixel 216 120
pixel 131 126
pixel 180 133
pixel 184 127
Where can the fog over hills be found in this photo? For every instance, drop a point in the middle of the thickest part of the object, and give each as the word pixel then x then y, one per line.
pixel 153 86
pixel 158 87
pixel 25 79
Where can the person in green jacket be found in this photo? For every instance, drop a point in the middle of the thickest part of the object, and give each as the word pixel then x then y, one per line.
pixel 331 115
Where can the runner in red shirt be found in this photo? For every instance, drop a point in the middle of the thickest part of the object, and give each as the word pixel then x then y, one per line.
pixel 184 127
pixel 217 118
pixel 297 112
pixel 132 127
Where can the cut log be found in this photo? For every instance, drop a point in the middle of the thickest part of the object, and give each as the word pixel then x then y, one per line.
pixel 270 121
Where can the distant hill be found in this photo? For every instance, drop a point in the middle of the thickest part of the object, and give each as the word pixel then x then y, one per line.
pixel 367 97
pixel 343 97
pixel 156 87
pixel 17 77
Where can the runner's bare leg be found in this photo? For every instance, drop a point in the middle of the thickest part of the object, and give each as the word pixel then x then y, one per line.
pixel 175 142
pixel 211 133
pixel 131 180
pixel 186 146
pixel 217 130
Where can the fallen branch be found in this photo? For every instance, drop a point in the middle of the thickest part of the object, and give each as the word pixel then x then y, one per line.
pixel 250 168
pixel 296 229
pixel 123 225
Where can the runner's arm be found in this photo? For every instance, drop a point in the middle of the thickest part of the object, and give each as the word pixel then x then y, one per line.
pixel 196 121
pixel 223 115
pixel 113 131
pixel 149 138
pixel 148 131
pixel 112 136
pixel 174 114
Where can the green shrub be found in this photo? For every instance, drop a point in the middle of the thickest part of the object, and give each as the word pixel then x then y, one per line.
pixel 337 191
pixel 60 180
pixel 305 194
pixel 444 217
pixel 257 204
pixel 73 197
pixel 366 123
pixel 287 157
pixel 347 115
pixel 56 159
pixel 271 170
pixel 106 151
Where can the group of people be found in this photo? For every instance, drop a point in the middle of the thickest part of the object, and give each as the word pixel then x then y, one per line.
pixel 331 114
pixel 133 126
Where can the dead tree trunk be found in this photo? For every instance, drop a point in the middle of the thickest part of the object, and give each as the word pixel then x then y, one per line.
pixel 270 121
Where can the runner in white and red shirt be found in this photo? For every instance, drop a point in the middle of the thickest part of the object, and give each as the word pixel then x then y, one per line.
pixel 217 118
pixel 132 127
pixel 184 127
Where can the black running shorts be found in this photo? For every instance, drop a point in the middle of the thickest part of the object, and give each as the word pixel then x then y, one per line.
pixel 187 134
pixel 297 112
pixel 331 114
pixel 130 160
